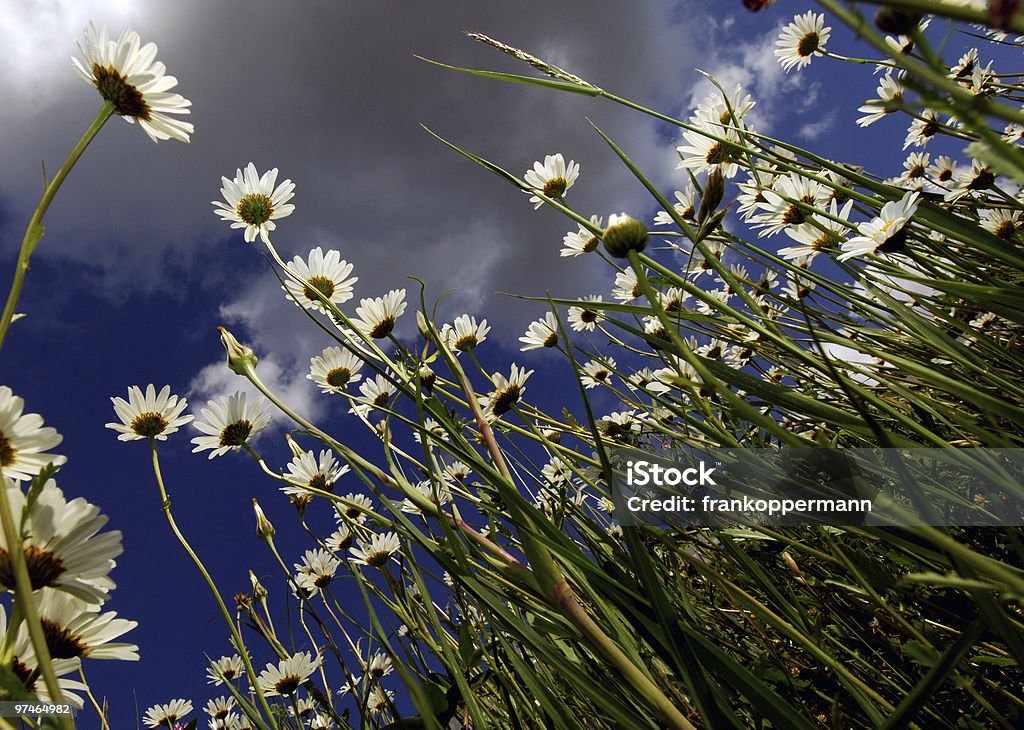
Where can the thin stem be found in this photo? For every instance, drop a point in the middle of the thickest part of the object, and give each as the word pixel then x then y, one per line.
pixel 34 232
pixel 235 636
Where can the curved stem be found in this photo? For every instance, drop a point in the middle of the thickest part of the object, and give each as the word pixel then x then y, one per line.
pixel 35 225
pixel 235 636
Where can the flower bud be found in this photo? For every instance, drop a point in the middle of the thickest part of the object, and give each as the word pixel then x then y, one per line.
pixel 296 449
pixel 624 234
pixel 258 591
pixel 241 359
pixel 264 530
pixel 714 191
pixel 427 378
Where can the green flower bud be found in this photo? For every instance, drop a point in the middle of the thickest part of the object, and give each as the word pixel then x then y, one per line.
pixel 264 530
pixel 241 359
pixel 624 234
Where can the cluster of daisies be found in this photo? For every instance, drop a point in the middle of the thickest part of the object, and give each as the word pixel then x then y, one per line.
pixel 69 558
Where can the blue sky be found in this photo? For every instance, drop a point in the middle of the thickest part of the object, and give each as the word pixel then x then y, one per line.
pixel 136 272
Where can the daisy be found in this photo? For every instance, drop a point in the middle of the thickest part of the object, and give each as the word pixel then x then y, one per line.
pixel 890 95
pixel 922 129
pixel 434 429
pixel 506 393
pixel 626 287
pixel 724 110
pixel 340 540
pixel 1002 222
pixel 886 228
pixel 541 333
pixel 230 423
pixel 287 675
pixel 321 722
pixel 327 274
pixel 979 177
pixel 620 424
pixel 597 372
pixel 913 176
pixel 74 628
pixel 786 204
pixel 373 394
pixel 167 714
pixel 63 549
pixel 254 203
pixel 457 471
pixel 379 665
pixel 306 472
pixel 800 40
pixel 357 506
pixel 316 570
pixel 553 178
pixel 23 439
pixel 379 700
pixel 128 76
pixel 439 496
pixel 25 666
pixel 149 416
pixel 226 669
pixel 704 153
pixel 685 207
pixel 557 472
pixel 334 369
pixel 823 235
pixel 585 318
pixel 219 707
pixel 464 333
pixel 377 551
pixel 576 243
pixel 942 170
pixel 376 317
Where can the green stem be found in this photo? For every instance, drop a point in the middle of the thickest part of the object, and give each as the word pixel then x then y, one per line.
pixel 34 232
pixel 235 636
pixel 23 602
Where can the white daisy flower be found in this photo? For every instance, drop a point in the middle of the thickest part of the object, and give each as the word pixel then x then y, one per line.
pixel 74 628
pixel 621 424
pixel 63 549
pixel 379 665
pixel 439 496
pixel 557 472
pixel 150 415
pixel 705 154
pixel 356 508
pixel 801 39
pixel 229 423
pixel 626 287
pixel 377 551
pixel 316 570
pixel 506 393
pixel 254 203
pixel 303 707
pixel 23 439
pixel 321 722
pixel 581 241
pixel 781 203
pixel 225 669
pixel 922 129
pixel 167 714
pixel 1002 222
pixel 597 372
pixel 328 274
pixel 541 333
pixel 457 471
pixel 553 178
pixel 26 667
pixel 219 707
pixel 285 677
pixel 888 226
pixel 890 95
pixel 914 175
pixel 340 540
pixel 334 369
pixel 375 393
pixel 379 700
pixel 685 207
pixel 128 76
pixel 979 177
pixel 812 238
pixel 585 318
pixel 725 110
pixel 310 473
pixel 464 333
pixel 376 317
